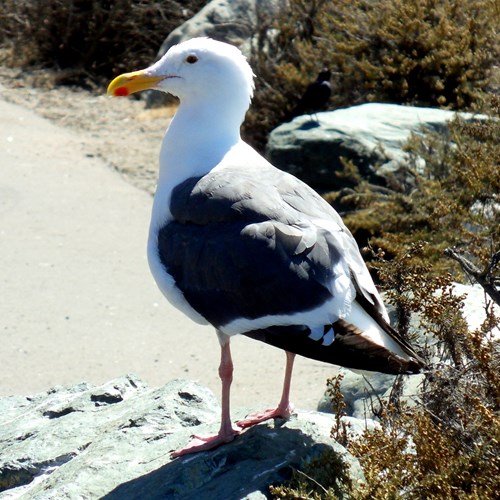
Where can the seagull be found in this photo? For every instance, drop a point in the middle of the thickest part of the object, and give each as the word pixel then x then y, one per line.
pixel 315 97
pixel 247 248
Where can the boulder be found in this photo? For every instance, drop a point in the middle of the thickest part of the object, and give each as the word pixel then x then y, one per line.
pixel 371 135
pixel 475 301
pixel 113 441
pixel 228 21
pixel 363 392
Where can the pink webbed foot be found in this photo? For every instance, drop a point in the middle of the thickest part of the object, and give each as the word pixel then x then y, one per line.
pixel 203 443
pixel 262 416
pixel 284 409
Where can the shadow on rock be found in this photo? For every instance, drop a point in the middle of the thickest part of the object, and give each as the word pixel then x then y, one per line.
pixel 261 456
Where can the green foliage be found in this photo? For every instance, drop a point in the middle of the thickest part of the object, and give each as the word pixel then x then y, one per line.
pixel 89 39
pixel 426 52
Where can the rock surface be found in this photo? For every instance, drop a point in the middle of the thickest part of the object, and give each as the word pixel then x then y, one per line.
pixel 364 391
pixel 228 21
pixel 113 441
pixel 369 135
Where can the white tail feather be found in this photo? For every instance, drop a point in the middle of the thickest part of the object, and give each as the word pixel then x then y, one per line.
pixel 360 318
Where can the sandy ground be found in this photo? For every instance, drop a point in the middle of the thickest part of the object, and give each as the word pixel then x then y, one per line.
pixel 77 302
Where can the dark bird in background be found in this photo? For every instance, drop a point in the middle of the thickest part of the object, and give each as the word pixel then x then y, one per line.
pixel 315 97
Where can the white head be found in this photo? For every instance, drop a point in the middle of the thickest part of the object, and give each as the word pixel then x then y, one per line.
pixel 197 70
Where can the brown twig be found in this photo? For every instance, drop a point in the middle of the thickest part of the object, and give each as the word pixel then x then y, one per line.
pixel 484 278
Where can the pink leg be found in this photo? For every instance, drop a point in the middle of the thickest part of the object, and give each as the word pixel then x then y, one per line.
pixel 284 409
pixel 226 432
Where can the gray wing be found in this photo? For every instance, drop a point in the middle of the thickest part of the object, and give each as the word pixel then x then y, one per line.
pixel 246 246
pixel 238 247
pixel 305 200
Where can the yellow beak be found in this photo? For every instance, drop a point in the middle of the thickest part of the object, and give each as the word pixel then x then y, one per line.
pixel 129 83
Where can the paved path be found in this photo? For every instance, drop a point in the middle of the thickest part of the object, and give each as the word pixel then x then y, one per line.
pixel 77 301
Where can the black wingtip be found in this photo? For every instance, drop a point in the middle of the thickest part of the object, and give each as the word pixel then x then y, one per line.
pixel 400 366
pixel 357 349
pixel 350 349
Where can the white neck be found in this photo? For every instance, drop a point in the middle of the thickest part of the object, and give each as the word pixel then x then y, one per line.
pixel 198 137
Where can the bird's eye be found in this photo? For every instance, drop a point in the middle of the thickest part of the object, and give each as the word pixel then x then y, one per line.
pixel 191 59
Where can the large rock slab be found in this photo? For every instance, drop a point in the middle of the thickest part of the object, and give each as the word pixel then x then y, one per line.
pixel 114 441
pixel 371 135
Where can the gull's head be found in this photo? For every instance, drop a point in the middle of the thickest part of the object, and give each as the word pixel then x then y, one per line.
pixel 200 68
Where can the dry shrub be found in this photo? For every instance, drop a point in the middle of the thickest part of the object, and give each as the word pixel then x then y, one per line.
pixel 323 478
pixel 412 456
pixel 454 201
pixel 446 446
pixel 338 405
pixel 89 39
pixel 426 52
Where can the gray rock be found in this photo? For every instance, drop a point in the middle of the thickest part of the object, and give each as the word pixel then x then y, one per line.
pixel 357 426
pixel 475 302
pixel 228 21
pixel 113 441
pixel 363 392
pixel 369 135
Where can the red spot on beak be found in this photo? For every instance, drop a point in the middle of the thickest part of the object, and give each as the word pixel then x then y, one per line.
pixel 121 92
